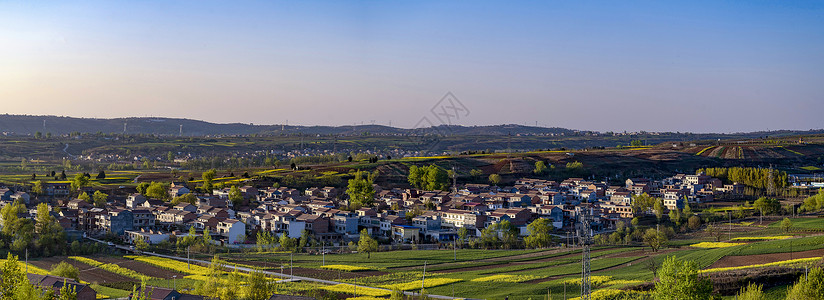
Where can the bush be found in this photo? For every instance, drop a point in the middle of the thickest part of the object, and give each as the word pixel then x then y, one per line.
pixel 64 269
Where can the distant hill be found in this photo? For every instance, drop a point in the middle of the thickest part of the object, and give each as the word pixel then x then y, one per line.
pixel 28 125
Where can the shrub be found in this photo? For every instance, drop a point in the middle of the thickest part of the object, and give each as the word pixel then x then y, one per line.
pixel 64 269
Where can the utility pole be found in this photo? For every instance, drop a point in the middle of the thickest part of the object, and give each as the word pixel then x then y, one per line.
pixel 585 241
pixel 423 278
pixel 729 216
pixel 188 258
pixel 291 276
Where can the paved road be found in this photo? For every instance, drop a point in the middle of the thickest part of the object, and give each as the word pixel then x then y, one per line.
pixel 245 269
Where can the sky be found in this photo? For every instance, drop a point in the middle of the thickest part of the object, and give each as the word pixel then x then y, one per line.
pixel 699 66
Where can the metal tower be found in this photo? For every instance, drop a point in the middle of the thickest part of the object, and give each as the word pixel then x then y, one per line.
pixel 585 237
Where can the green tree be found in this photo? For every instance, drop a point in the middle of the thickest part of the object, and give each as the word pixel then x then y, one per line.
pixel 476 173
pixel 67 292
pixel 287 243
pixel 366 243
pixel 655 239
pixel 258 286
pixel 185 198
pixel 101 175
pixel 694 222
pixel 80 180
pixel 659 208
pixel 361 191
pixel 494 179
pixel 37 187
pixel 208 176
pixel 786 224
pixel 767 206
pixel 64 269
pixel 85 197
pixel 463 233
pixel 679 280
pixel 675 216
pixel 158 190
pixel 808 287
pixel 236 196
pixel 12 277
pixel 751 292
pixel 539 233
pixel 642 203
pixel 142 187
pixel 141 244
pixel 100 198
pixel 540 167
pixel 416 177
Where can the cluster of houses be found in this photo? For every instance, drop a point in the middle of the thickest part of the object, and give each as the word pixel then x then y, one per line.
pixel 399 215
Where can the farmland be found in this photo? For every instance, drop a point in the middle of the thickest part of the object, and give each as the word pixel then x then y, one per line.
pixel 471 273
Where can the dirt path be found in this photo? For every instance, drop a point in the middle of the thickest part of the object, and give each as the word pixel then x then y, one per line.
pixel 737 261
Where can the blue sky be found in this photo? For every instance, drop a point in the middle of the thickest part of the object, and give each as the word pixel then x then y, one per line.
pixel 703 66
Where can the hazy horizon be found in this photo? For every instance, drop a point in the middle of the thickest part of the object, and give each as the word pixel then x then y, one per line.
pixel 603 66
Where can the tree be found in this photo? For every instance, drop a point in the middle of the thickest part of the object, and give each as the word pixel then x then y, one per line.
pixel 236 196
pixel 79 181
pixel 714 232
pixel 366 243
pixel 287 243
pixel 494 179
pixel 675 216
pixel 751 292
pixel 642 203
pixel 185 198
pixel 786 225
pixel 142 187
pixel 38 135
pixel 158 190
pixel 767 206
pixel 141 244
pixel 463 233
pixel 808 287
pixel 539 233
pixel 85 197
pixel 540 167
pixel 208 176
pixel 361 191
pixel 101 175
pixel 655 239
pixel 12 277
pixel 476 173
pixel 659 209
pixel 37 187
pixel 680 278
pixel 100 198
pixel 694 222
pixel 67 291
pixel 258 286
pixel 64 269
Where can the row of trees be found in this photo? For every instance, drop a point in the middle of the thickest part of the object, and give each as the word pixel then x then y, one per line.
pixel 429 177
pixel 43 237
pixel 754 177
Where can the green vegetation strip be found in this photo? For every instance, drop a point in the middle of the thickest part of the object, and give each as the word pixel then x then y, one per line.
pixel 112 268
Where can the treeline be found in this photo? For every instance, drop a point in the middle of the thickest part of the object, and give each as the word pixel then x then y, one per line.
pixel 753 177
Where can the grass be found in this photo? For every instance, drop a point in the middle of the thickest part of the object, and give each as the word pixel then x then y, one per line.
pixel 109 293
pixel 762 238
pixel 506 278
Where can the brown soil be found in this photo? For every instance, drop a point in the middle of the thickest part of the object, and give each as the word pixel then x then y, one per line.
pixel 737 261
pixel 87 273
pixel 141 267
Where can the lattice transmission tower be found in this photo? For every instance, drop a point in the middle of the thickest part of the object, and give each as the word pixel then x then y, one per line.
pixel 585 237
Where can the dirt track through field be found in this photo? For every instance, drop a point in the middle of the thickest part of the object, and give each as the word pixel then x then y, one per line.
pixel 141 267
pixel 737 261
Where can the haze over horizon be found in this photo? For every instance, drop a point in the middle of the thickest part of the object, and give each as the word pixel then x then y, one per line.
pixel 692 66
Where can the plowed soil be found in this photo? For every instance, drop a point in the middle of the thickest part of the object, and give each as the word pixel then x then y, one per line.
pixel 87 273
pixel 737 261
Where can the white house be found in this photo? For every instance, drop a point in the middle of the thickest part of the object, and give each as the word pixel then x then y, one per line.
pixel 232 229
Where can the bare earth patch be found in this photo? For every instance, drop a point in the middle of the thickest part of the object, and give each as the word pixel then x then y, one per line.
pixel 737 261
pixel 87 273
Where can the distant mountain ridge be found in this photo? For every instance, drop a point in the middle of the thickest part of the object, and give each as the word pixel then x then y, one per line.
pixel 28 125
